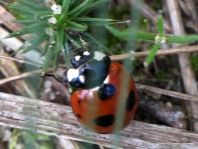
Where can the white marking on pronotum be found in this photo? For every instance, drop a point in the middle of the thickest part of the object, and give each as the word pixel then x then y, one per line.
pixel 98 55
pixel 86 53
pixel 82 78
pixel 72 73
pixel 77 57
pixel 106 81
pixel 95 88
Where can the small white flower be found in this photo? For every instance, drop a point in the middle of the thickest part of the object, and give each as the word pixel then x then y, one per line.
pixel 52 20
pixel 160 39
pixel 163 40
pixel 157 39
pixel 57 9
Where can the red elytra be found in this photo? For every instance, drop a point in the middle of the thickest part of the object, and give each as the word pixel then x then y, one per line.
pixel 100 115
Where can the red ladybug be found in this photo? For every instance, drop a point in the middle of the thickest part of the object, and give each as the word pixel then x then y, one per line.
pixel 96 108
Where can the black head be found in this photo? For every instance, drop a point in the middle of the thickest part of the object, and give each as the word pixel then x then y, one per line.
pixel 80 58
pixel 89 70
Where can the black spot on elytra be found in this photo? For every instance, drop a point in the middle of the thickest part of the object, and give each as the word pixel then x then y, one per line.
pixel 78 116
pixel 79 101
pixel 130 101
pixel 106 91
pixel 104 121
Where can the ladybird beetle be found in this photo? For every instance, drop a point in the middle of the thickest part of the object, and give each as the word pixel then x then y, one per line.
pixel 96 107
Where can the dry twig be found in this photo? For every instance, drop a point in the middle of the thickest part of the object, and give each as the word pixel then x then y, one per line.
pixel 8 19
pixel 178 95
pixel 162 52
pixel 10 69
pixel 163 114
pixel 20 76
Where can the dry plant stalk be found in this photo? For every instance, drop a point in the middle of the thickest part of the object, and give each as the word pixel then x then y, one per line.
pixel 164 114
pixel 20 76
pixel 58 120
pixel 161 52
pixel 186 71
pixel 150 13
pixel 9 69
pixel 8 20
pixel 178 95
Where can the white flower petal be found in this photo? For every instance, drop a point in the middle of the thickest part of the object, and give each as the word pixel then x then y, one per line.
pixel 57 9
pixel 52 20
pixel 54 7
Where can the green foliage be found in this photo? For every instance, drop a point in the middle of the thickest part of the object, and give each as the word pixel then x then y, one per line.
pixel 194 62
pixel 156 38
pixel 159 39
pixel 182 39
pixel 153 51
pixel 55 25
pixel 30 140
pixel 150 37
pixel 65 25
pixel 160 26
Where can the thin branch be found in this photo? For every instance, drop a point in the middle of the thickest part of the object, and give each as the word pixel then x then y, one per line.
pixel 19 77
pixel 20 61
pixel 162 52
pixel 178 95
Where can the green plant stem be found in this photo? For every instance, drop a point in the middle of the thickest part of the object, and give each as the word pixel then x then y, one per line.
pixel 146 36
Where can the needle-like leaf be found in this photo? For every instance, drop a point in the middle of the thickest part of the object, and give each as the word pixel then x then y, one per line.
pixel 160 25
pixel 34 28
pixel 153 51
pixel 76 26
